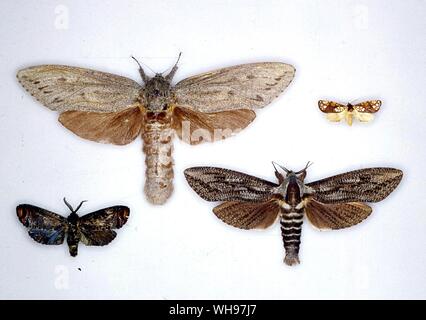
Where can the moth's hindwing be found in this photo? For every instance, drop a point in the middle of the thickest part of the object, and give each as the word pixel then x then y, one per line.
pixel 96 227
pixel 246 86
pixel 336 215
pixel 248 215
pixel 106 127
pixel 195 127
pixel 43 226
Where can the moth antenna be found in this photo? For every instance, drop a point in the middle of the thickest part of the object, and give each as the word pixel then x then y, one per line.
pixel 306 167
pixel 174 69
pixel 68 205
pixel 273 164
pixel 79 206
pixel 284 168
pixel 145 78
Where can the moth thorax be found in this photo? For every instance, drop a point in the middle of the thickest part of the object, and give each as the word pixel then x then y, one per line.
pixel 73 218
pixel 157 94
pixel 293 195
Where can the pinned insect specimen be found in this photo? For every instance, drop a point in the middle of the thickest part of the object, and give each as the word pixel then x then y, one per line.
pixel 93 229
pixel 112 109
pixel 362 111
pixel 333 203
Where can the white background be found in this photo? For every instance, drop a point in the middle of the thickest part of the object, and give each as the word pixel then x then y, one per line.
pixel 342 50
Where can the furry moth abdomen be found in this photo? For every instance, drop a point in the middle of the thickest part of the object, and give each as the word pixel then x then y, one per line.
pixel 158 147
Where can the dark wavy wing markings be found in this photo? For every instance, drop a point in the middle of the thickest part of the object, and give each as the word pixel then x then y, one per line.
pixel 43 226
pixel 217 184
pixel 334 216
pixel 365 185
pixel 96 227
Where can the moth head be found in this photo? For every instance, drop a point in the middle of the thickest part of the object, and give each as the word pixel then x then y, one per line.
pixel 286 174
pixel 74 212
pixel 157 90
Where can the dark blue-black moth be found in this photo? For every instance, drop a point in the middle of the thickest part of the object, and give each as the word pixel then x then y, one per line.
pixel 93 229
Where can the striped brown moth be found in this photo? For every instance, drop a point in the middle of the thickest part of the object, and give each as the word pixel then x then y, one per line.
pixel 107 108
pixel 362 111
pixel 93 229
pixel 332 203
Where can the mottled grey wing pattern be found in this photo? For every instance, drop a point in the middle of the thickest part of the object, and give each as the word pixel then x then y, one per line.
pixel 65 88
pixel 217 184
pixel 246 86
pixel 43 226
pixel 365 185
pixel 95 227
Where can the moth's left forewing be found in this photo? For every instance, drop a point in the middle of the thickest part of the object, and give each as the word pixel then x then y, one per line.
pixel 365 185
pixel 247 86
pixel 108 218
pixel 96 227
pixel 371 106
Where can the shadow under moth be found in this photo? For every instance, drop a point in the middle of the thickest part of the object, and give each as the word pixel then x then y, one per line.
pixel 332 203
pixel 93 229
pixel 362 111
pixel 108 108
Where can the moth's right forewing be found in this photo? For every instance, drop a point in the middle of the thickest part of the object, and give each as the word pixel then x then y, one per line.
pixel 247 86
pixel 65 88
pixel 217 184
